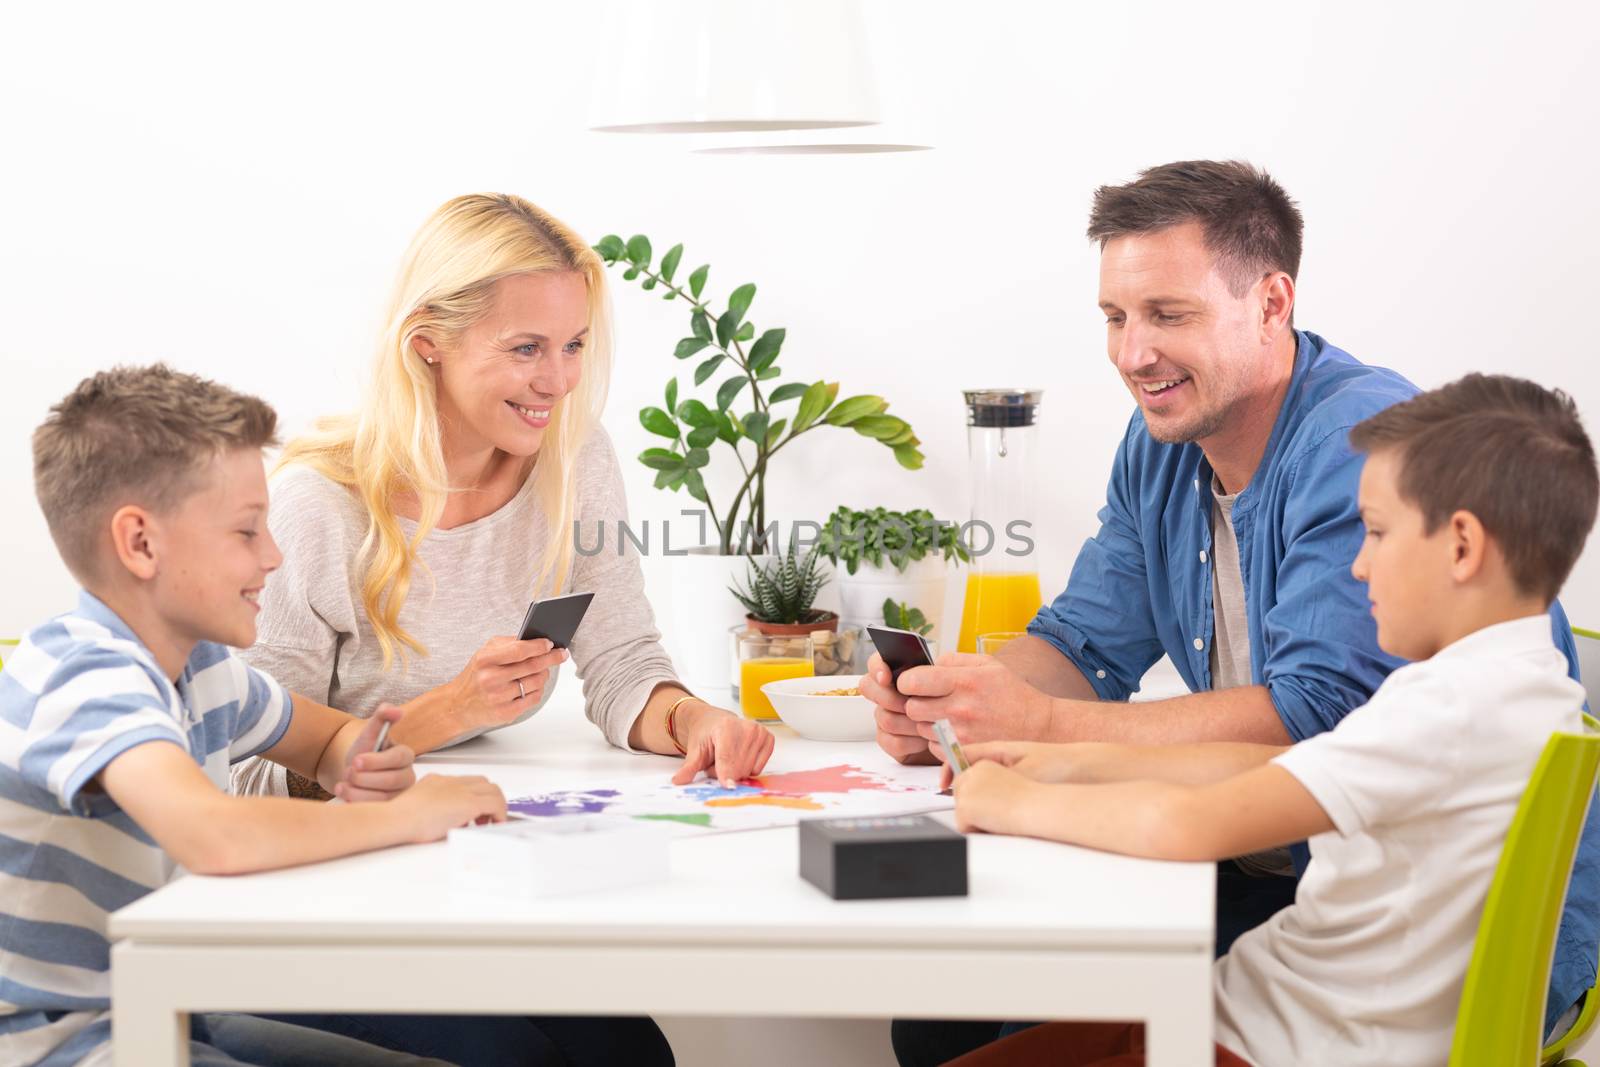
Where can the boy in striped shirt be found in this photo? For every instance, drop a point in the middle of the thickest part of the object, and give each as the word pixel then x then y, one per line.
pixel 118 720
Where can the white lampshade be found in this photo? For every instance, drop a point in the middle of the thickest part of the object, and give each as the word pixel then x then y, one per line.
pixel 728 66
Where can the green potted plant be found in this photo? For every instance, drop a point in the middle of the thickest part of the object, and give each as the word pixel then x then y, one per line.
pixel 881 555
pixel 779 595
pixel 745 416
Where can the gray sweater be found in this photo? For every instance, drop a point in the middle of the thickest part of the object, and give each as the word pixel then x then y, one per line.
pixel 474 583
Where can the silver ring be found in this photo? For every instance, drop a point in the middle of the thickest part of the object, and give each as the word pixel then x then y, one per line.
pixel 522 694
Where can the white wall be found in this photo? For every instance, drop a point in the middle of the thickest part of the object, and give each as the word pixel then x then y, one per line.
pixel 231 192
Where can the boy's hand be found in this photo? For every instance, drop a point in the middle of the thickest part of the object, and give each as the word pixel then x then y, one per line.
pixel 1041 761
pixel 993 798
pixel 439 803
pixel 370 775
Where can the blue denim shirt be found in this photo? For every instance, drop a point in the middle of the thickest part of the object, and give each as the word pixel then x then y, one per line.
pixel 1141 587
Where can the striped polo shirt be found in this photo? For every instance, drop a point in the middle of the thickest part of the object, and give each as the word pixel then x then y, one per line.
pixel 79 691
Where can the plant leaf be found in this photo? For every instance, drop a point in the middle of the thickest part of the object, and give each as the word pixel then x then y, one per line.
pixel 787 392
pixel 672 395
pixel 697 280
pixel 701 436
pixel 739 301
pixel 630 274
pixel 755 426
pixel 908 457
pixel 727 326
pixel 639 250
pixel 708 368
pixel 726 430
pixel 767 374
pixel 765 350
pixel 696 484
pixel 669 262
pixel 689 346
pixel 662 478
pixel 847 411
pixel 775 431
pixel 881 427
pixel 730 389
pixel 695 413
pixel 658 422
pixel 747 331
pixel 697 457
pixel 661 459
pixel 610 248
pixel 700 325
pixel 812 404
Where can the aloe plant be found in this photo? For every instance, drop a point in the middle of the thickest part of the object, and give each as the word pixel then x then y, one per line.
pixel 783 590
pixel 753 436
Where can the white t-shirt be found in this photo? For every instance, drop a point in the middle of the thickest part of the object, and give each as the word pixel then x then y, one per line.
pixel 1366 967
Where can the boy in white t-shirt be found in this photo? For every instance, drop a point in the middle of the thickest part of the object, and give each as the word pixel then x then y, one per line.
pixel 1477 498
pixel 119 718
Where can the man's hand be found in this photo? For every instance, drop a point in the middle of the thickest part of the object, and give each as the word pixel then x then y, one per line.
pixel 726 746
pixel 983 699
pixel 370 775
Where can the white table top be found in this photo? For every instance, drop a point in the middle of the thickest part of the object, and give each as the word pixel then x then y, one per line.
pixel 731 888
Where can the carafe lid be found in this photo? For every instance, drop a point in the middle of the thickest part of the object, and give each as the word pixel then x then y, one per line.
pixel 1002 407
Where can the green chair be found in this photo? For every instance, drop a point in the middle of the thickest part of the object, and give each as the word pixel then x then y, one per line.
pixel 1500 1021
pixel 1588 645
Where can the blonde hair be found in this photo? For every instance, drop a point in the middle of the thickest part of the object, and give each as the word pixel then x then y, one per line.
pixel 392 447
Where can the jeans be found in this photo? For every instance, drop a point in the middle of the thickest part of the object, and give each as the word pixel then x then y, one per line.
pixel 505 1040
pixel 230 1040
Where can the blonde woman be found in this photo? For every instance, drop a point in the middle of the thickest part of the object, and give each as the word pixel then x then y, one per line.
pixel 418 528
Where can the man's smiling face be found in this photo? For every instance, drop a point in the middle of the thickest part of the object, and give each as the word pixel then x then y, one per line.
pixel 1187 347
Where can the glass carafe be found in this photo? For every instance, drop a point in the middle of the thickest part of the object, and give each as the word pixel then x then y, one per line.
pixel 1003 584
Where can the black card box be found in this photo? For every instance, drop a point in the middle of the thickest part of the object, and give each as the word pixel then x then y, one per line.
pixel 899 856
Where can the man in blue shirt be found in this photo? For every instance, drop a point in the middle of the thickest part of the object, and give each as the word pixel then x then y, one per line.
pixel 1226 539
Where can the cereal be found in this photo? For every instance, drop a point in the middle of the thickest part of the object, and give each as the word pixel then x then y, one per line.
pixel 853 691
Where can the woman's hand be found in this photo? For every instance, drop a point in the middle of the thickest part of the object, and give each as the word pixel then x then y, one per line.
pixel 372 775
pixel 503 680
pixel 726 746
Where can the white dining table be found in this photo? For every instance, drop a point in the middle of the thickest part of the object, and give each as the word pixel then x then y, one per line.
pixel 1047 931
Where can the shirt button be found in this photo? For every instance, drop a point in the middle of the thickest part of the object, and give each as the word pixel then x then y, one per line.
pixel 1099 674
pixel 1202 555
pixel 1198 644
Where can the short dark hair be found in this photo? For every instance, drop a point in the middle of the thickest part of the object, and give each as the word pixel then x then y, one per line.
pixel 1251 226
pixel 1511 452
pixel 134 435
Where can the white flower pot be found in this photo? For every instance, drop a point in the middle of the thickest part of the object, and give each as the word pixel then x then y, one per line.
pixel 703 611
pixel 921 585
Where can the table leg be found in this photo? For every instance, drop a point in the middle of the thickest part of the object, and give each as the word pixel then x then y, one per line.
pixel 147 1029
pixel 1178 1032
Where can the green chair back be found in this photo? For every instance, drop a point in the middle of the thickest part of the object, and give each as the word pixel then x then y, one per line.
pixel 1500 1021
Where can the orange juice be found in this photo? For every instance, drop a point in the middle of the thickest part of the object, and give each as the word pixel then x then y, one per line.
pixel 755 673
pixel 997 602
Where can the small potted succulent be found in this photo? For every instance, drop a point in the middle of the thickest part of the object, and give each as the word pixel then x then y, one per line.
pixel 781 592
pixel 901 556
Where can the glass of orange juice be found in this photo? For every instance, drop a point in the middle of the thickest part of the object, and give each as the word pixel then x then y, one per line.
pixel 990 643
pixel 766 658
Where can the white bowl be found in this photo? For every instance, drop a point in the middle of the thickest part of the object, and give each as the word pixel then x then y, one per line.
pixel 844 718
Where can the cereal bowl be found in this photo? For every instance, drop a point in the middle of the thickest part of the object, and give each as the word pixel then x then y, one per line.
pixel 823 718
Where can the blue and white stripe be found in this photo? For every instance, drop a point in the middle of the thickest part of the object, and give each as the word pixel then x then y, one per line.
pixel 78 692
